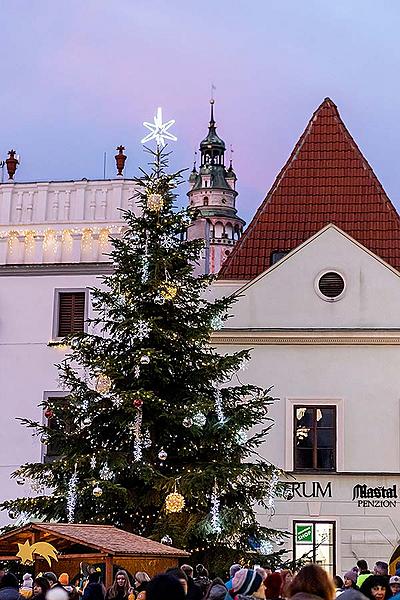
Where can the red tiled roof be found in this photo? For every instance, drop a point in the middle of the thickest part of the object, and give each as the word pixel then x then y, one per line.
pixel 326 180
pixel 101 537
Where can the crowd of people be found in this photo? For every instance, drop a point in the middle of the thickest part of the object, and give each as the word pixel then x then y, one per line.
pixel 311 582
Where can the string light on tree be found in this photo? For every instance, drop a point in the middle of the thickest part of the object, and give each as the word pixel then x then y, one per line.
pixel 215 514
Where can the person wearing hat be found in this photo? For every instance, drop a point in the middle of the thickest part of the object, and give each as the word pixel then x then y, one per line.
pixel 9 588
pixel 350 580
pixel 394 584
pixel 247 583
pixel 26 589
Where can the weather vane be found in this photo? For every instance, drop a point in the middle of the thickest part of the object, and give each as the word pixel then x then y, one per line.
pixel 159 130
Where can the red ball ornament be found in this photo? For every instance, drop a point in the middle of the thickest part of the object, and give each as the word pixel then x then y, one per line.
pixel 138 403
pixel 48 413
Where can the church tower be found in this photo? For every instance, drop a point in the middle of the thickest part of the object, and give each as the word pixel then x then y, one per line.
pixel 212 192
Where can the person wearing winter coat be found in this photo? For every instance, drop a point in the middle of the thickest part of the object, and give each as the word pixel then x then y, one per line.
pixel 194 591
pixel 40 588
pixel 312 582
pixel 247 584
pixel 141 580
pixel 165 587
pixel 26 589
pixel 121 588
pixel 273 586
pixel 376 587
pixel 9 588
pixel 216 590
pixel 94 590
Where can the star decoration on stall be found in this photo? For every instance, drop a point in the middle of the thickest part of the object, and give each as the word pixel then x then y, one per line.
pixel 159 130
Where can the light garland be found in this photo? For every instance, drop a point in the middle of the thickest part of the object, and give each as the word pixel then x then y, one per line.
pixel 72 496
pixel 218 406
pixel 97 231
pixel 215 514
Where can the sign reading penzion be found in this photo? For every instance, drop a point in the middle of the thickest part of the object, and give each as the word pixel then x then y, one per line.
pixel 375 497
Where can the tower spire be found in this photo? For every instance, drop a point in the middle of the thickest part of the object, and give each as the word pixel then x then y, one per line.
pixel 212 122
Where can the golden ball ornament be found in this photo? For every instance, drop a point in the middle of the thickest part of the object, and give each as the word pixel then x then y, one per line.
pixel 174 502
pixel 103 384
pixel 155 202
pixel 169 291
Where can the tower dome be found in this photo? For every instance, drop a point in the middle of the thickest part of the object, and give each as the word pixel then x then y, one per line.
pixel 212 193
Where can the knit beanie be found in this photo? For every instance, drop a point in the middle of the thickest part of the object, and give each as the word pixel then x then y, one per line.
pixel 64 579
pixel 246 582
pixel 352 575
pixel 27 581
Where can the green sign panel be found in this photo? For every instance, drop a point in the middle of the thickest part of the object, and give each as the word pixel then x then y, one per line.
pixel 304 533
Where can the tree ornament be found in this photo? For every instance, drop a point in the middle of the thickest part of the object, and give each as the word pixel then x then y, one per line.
pixel 162 455
pixel 147 442
pixel 20 480
pixel 142 329
pixel 200 419
pixel 48 413
pixel 136 371
pixel 159 130
pixel 167 241
pixel 272 491
pixel 137 437
pixel 105 473
pixel 92 462
pixel 241 437
pixel 97 491
pixel 215 514
pixel 72 496
pixel 138 403
pixel 217 323
pixel 265 547
pixel 155 202
pixel 103 384
pixel 218 406
pixel 86 422
pixel 174 502
pixel 168 291
pixel 187 422
pixel 145 359
pixel 166 540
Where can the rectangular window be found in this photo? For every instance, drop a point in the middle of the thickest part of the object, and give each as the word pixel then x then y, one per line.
pixel 315 542
pixel 314 438
pixel 71 313
pixel 51 450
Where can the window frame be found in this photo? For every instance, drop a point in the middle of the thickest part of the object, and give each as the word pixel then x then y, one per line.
pixel 314 522
pixel 289 425
pixel 56 309
pixel 43 449
pixel 315 469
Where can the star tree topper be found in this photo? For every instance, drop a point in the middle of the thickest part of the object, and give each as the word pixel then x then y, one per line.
pixel 159 130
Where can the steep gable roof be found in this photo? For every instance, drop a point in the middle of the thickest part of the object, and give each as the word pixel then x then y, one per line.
pixel 325 180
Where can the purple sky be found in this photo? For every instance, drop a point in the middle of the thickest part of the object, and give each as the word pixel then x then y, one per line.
pixel 80 77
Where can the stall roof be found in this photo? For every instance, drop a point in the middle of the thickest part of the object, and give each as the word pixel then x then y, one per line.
pixel 104 538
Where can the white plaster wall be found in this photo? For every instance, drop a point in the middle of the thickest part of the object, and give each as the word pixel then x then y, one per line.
pixel 284 296
pixel 26 365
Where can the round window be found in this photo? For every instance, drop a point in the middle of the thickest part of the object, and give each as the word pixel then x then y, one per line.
pixel 331 285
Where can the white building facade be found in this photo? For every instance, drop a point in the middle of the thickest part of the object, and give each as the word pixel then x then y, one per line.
pixel 318 277
pixel 54 240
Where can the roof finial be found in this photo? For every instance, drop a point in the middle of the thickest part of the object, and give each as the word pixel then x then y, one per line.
pixel 231 156
pixel 212 101
pixel 194 162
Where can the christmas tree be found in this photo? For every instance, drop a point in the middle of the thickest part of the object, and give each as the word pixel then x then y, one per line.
pixel 156 433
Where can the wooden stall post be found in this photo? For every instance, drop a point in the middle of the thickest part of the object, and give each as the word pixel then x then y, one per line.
pixel 109 571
